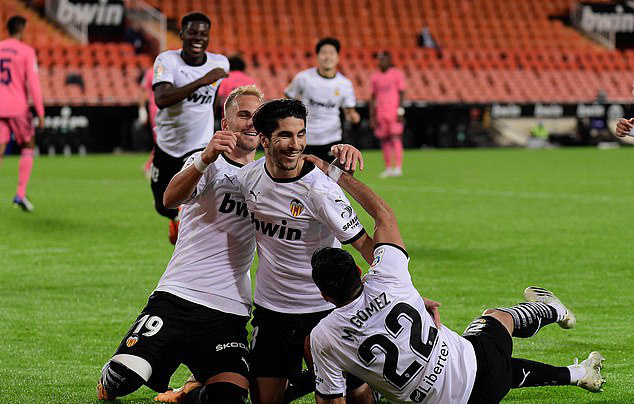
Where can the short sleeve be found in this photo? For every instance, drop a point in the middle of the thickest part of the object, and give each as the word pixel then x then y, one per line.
pixel 330 381
pixel 204 181
pixel 390 261
pixel 162 70
pixel 225 64
pixel 336 212
pixel 294 89
pixel 349 99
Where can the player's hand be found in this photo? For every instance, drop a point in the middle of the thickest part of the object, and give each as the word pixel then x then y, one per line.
pixel 347 157
pixel 353 117
pixel 212 76
pixel 624 126
pixel 40 123
pixel 432 309
pixel 223 141
pixel 319 163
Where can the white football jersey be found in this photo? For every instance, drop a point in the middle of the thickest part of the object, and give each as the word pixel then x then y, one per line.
pixel 216 244
pixel 293 218
pixel 323 97
pixel 187 125
pixel 387 338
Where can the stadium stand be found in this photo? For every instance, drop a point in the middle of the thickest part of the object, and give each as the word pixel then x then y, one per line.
pixel 485 50
pixel 108 72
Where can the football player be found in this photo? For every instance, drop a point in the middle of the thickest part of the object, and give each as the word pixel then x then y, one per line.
pixel 197 314
pixel 185 84
pixel 324 91
pixel 382 333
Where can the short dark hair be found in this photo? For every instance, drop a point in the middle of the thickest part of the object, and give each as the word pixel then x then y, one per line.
pixel 266 118
pixel 335 273
pixel 194 16
pixel 16 24
pixel 237 63
pixel 328 41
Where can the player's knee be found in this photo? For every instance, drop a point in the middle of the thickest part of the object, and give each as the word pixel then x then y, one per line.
pixel 118 380
pixel 488 312
pixel 220 393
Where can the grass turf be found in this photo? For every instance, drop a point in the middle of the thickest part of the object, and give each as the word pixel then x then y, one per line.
pixel 480 225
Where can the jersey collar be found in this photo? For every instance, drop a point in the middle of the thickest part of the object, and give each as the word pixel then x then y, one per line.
pixel 308 167
pixel 233 163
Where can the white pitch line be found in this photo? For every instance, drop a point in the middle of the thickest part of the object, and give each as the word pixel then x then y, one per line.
pixel 506 194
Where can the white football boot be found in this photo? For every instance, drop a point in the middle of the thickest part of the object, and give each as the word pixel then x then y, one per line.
pixel 537 294
pixel 592 381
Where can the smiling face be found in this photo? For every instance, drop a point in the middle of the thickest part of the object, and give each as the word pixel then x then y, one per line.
pixel 195 37
pixel 327 57
pixel 239 118
pixel 285 146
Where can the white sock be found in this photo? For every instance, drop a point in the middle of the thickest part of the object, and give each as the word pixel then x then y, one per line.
pixel 561 310
pixel 576 372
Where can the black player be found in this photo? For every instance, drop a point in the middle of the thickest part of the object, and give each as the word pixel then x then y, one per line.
pixel 185 85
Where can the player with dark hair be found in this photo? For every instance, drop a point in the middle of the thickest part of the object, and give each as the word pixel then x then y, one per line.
pixel 198 313
pixel 295 209
pixel 382 333
pixel 387 112
pixel 18 72
pixel 185 85
pixel 324 91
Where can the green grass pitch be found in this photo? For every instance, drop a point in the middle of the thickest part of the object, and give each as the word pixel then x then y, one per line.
pixel 480 226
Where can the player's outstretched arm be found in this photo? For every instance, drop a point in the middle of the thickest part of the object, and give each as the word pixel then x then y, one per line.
pixel 183 185
pixel 385 223
pixel 166 94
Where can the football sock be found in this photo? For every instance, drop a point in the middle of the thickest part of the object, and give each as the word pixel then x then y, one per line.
pixel 529 318
pixel 576 372
pixel 119 380
pixel 386 146
pixel 528 373
pixel 24 171
pixel 217 393
pixel 397 143
pixel 299 386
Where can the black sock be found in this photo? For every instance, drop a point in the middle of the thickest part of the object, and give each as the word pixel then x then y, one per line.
pixel 528 318
pixel 530 374
pixel 217 393
pixel 196 396
pixel 299 386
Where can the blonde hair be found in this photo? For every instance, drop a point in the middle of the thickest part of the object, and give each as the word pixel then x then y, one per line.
pixel 250 89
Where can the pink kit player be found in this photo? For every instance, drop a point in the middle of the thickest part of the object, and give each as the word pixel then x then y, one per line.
pixel 386 113
pixel 237 77
pixel 18 70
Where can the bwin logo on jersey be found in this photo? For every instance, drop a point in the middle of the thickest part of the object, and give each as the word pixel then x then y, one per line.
pixel 275 230
pixel 297 207
pixel 200 98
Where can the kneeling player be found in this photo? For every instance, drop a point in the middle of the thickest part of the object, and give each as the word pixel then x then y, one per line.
pixel 198 313
pixel 382 333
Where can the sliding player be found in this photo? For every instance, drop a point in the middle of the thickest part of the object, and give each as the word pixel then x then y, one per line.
pixel 382 333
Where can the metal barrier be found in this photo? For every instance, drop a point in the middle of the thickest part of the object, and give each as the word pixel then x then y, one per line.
pixel 54 12
pixel 152 20
pixel 606 37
